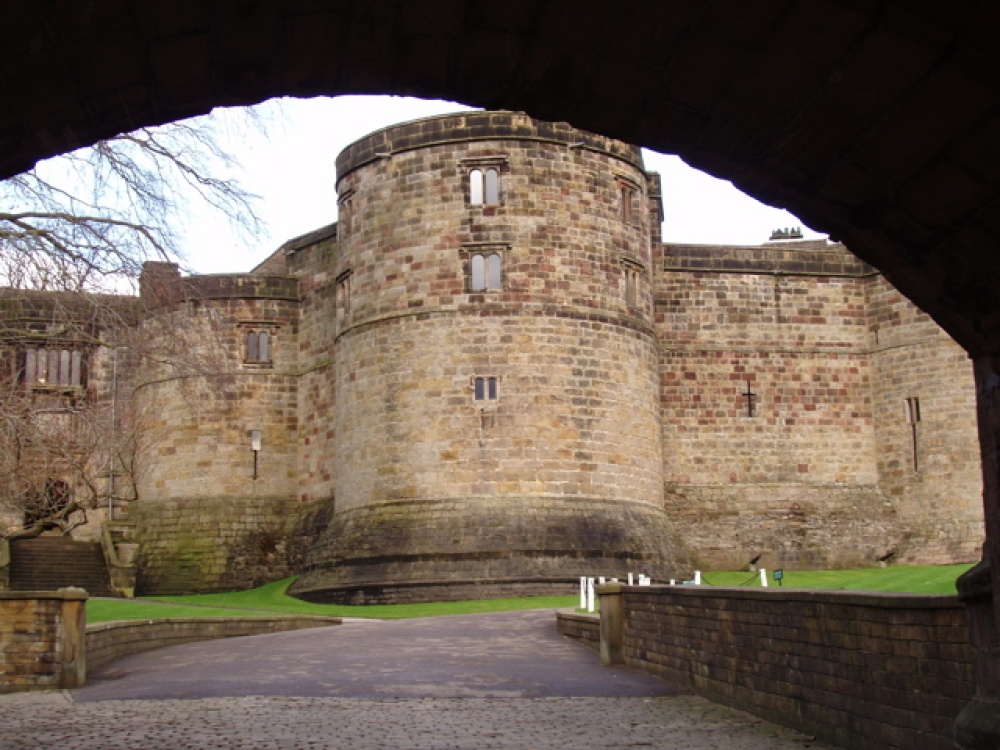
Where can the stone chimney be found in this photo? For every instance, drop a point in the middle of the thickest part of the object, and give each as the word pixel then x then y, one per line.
pixel 160 285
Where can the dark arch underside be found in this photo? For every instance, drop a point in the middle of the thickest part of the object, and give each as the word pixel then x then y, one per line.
pixel 874 121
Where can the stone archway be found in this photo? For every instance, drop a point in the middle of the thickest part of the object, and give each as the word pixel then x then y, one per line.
pixel 875 122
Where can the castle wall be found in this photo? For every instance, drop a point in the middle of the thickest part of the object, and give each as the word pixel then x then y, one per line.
pixel 559 474
pixel 927 450
pixel 312 264
pixel 490 376
pixel 794 480
pixel 821 473
pixel 205 520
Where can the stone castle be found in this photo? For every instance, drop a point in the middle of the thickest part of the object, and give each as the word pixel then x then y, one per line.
pixel 491 376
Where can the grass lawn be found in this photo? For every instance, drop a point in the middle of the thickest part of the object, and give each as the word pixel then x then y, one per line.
pixel 912 579
pixel 272 599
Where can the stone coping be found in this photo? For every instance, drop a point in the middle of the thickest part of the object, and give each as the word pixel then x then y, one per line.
pixel 108 641
pixel 585 617
pixel 879 599
pixel 306 620
pixel 67 594
pixel 474 125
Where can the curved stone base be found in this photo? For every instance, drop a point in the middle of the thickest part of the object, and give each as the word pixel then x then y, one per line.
pixel 441 550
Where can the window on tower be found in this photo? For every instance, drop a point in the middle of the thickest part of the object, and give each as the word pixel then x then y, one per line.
pixel 627 192
pixel 486 272
pixel 258 347
pixel 485 389
pixel 343 299
pixel 631 277
pixel 483 267
pixel 484 186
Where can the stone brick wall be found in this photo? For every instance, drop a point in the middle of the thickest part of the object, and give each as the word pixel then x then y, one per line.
pixel 929 469
pixel 620 437
pixel 817 474
pixel 41 640
pixel 424 470
pixel 862 670
pixel 205 521
pixel 312 262
pixel 585 628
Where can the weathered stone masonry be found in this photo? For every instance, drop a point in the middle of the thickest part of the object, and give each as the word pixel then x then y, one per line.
pixel 827 465
pixel 491 376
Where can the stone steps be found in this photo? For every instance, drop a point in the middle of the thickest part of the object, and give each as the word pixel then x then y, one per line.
pixel 50 563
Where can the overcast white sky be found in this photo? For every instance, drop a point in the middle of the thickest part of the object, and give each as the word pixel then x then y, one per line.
pixel 293 170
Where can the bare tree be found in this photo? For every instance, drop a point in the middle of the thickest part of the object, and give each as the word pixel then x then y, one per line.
pixel 72 230
pixel 87 220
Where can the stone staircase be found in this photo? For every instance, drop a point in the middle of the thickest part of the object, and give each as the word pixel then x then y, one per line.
pixel 47 563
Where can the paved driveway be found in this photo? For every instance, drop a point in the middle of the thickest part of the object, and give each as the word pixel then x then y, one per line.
pixel 482 681
pixel 505 655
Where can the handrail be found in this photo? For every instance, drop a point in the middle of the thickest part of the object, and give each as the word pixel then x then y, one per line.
pixel 121 574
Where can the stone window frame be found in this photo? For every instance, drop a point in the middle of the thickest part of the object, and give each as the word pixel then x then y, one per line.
pixel 345 213
pixel 257 328
pixel 70 361
pixel 485 390
pixel 627 190
pixel 913 419
pixel 483 165
pixel 343 293
pixel 485 250
pixel 633 273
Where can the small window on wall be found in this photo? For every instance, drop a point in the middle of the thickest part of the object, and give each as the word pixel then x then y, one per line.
pixel 484 186
pixel 485 389
pixel 632 274
pixel 483 266
pixel 53 368
pixel 345 216
pixel 486 272
pixel 344 298
pixel 627 192
pixel 913 419
pixel 258 347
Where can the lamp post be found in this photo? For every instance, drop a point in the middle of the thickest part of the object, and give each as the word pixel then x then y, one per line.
pixel 255 447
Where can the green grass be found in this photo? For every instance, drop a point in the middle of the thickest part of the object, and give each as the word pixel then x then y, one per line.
pixel 912 579
pixel 271 599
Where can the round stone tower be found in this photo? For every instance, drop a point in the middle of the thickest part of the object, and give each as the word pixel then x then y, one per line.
pixel 496 385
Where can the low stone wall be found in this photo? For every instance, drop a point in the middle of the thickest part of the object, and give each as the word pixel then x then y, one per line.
pixel 107 641
pixel 41 639
pixel 585 628
pixel 860 670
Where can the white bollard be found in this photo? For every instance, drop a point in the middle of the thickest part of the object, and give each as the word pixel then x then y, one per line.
pixel 600 580
pixel 590 594
pixel 697 578
pixel 673 581
pixel 763 577
pixel 583 592
pixel 630 579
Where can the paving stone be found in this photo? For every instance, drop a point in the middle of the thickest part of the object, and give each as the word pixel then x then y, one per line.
pixel 504 680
